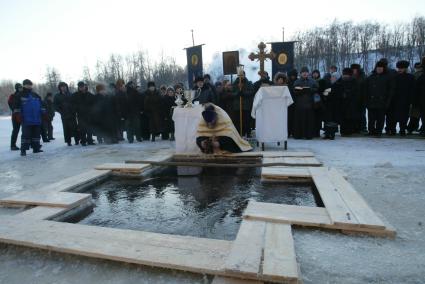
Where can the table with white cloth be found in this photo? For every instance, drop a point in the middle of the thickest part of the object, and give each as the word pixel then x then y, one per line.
pixel 186 121
pixel 270 109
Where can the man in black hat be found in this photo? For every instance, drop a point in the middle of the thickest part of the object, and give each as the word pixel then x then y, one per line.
pixel 360 77
pixel 65 105
pixel 152 109
pixel 304 121
pixel 402 95
pixel 84 101
pixel 347 92
pixel 15 123
pixel 377 95
pixel 203 94
pixel 29 108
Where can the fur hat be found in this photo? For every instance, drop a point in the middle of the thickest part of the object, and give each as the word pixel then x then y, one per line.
pixel 347 71
pixel 293 73
pixel 355 66
pixel 81 84
pixel 380 63
pixel 151 84
pixel 403 64
pixel 178 86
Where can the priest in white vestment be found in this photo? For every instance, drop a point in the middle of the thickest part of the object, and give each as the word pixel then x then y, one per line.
pixel 270 109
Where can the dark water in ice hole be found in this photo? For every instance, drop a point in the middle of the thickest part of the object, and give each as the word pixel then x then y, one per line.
pixel 209 205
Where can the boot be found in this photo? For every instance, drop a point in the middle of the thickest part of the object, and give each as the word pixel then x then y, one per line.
pixel 14 148
pixel 172 138
pixel 23 153
pixel 153 138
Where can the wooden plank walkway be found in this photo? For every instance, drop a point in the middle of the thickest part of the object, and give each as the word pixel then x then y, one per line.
pixel 54 199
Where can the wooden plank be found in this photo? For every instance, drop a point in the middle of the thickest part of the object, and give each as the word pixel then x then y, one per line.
pixel 295 161
pixel 244 259
pixel 228 280
pixel 338 211
pixel 280 263
pixel 288 214
pixel 55 199
pixel 196 255
pixel 77 181
pixel 42 212
pixel 121 167
pixel 364 214
pixel 270 154
pixel 285 172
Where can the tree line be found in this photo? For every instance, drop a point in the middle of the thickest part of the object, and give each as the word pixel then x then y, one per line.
pixel 343 43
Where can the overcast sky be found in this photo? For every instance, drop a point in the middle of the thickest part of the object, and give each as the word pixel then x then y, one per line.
pixel 71 34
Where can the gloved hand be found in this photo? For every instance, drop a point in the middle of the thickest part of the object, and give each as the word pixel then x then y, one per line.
pixel 16 116
pixel 45 117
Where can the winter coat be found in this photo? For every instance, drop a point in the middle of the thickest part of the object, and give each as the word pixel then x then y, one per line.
pixel 65 105
pixel 153 109
pixel 377 91
pixel 84 103
pixel 30 106
pixel 122 104
pixel 50 109
pixel 402 95
pixel 247 94
pixel 420 92
pixel 204 95
pixel 226 98
pixel 349 98
pixel 134 106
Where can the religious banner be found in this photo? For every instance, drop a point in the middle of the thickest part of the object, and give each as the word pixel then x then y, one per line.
pixel 194 63
pixel 284 59
pixel 230 62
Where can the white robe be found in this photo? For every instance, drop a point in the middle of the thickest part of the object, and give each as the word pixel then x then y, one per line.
pixel 270 109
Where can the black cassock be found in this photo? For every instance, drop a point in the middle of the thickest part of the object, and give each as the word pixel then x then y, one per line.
pixel 304 123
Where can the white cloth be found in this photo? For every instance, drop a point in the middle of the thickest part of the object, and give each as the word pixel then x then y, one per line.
pixel 186 121
pixel 270 109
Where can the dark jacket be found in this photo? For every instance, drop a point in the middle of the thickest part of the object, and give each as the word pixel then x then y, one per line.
pixel 377 91
pixel 204 95
pixel 64 104
pixel 133 103
pixel 348 95
pixel 247 94
pixel 84 103
pixel 420 92
pixel 153 109
pixel 122 104
pixel 50 109
pixel 402 95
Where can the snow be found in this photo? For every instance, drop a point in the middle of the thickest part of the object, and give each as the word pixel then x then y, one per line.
pixel 388 173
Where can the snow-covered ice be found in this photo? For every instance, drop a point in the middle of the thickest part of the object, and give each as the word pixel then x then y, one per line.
pixel 389 173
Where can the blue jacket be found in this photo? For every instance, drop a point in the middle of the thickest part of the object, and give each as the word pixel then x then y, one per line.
pixel 30 106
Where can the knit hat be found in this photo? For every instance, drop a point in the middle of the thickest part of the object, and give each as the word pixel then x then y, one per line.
pixel 18 86
pixel 81 84
pixel 151 84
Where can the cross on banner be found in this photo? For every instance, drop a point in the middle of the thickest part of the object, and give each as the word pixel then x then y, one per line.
pixel 261 56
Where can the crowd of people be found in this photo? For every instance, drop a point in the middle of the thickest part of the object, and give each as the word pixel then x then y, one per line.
pixel 351 102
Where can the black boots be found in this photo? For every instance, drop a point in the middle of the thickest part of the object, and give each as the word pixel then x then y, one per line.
pixel 14 148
